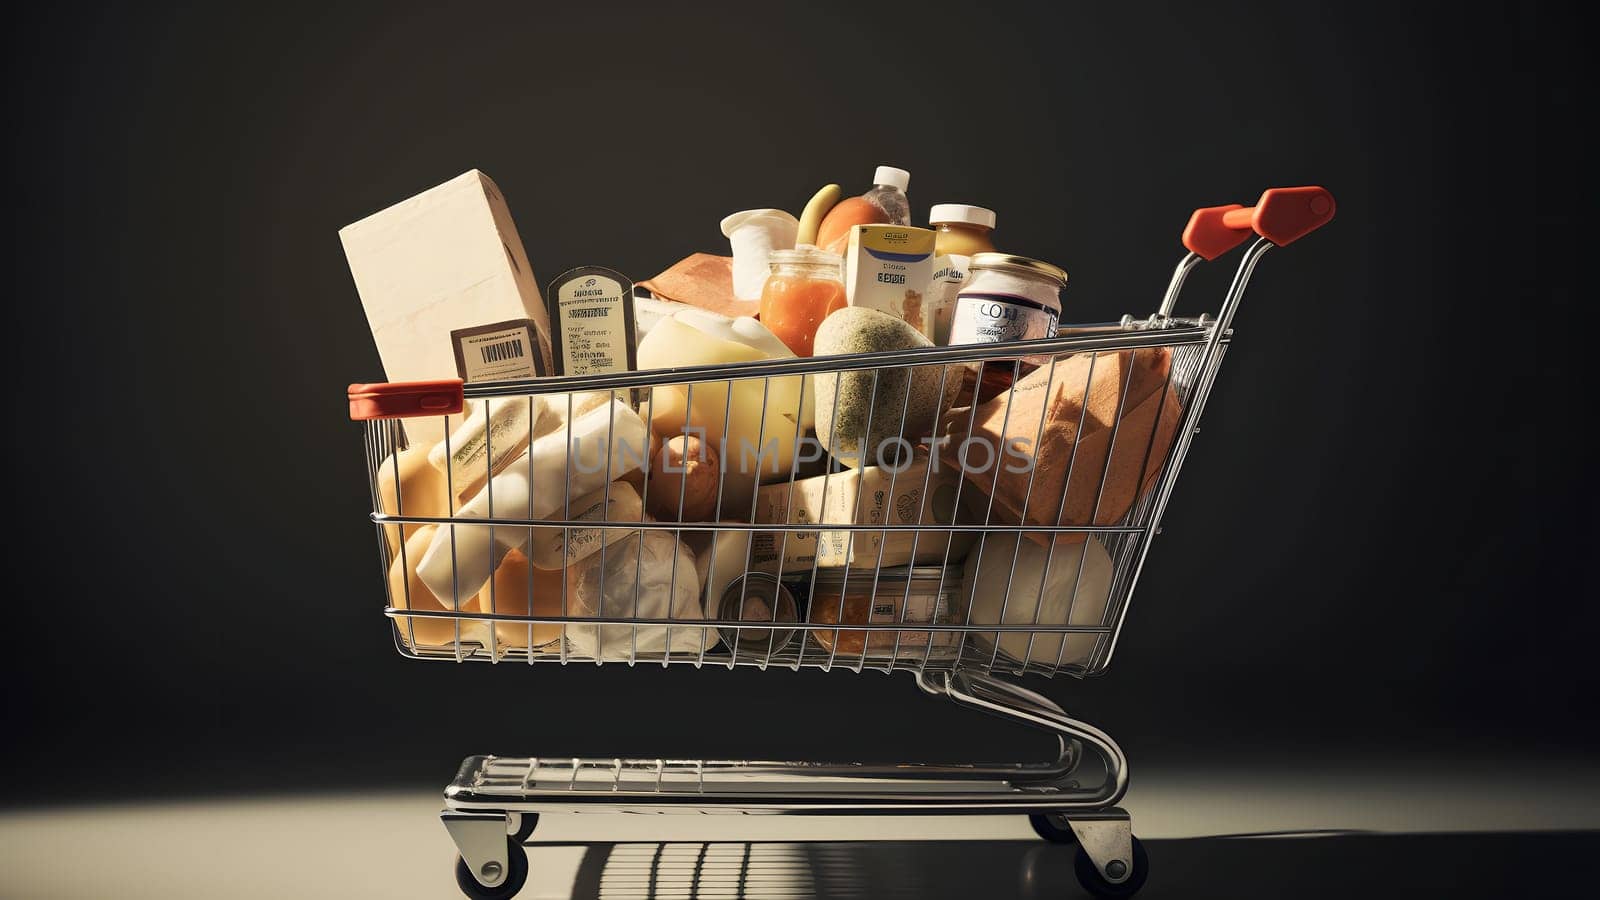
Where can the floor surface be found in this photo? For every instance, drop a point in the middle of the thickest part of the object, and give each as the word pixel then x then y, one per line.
pixel 1459 833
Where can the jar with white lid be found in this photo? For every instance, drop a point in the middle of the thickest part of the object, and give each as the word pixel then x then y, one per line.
pixel 1007 298
pixel 961 229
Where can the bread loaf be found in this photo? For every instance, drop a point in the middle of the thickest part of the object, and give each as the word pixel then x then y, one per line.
pixel 419 490
pixel 407 591
pixel 512 586
pixel 683 481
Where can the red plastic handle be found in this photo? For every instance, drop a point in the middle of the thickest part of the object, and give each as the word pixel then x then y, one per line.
pixel 1282 216
pixel 405 399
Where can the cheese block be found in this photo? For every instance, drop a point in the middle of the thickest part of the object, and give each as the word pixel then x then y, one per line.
pixel 446 259
pixel 752 424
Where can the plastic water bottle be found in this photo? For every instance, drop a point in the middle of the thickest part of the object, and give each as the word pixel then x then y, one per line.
pixel 889 194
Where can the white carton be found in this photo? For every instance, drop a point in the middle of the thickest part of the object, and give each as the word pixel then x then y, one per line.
pixel 446 259
pixel 869 496
pixel 939 305
pixel 887 268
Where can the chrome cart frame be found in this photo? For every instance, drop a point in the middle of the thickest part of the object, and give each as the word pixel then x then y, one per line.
pixel 493 804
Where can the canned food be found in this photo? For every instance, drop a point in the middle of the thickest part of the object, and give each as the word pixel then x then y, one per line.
pixel 757 597
pixel 912 595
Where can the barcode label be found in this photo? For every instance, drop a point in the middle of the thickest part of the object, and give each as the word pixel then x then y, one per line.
pixel 499 352
pixel 502 351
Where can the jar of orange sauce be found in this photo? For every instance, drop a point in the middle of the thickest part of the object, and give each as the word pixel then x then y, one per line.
pixel 805 286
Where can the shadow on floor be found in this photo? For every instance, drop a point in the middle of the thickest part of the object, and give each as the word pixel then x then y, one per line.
pixel 1342 866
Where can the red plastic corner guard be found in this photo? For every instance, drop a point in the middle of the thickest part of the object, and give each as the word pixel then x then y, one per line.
pixel 405 399
pixel 1282 216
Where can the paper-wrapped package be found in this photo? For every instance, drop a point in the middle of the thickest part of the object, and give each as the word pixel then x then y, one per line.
pixel 553 548
pixel 1077 405
pixel 636 578
pixel 495 431
pixel 484 443
pixel 1032 584
pixel 703 280
pixel 570 462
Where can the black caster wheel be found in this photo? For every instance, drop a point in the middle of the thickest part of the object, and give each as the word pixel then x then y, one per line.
pixel 505 890
pixel 525 830
pixel 1097 885
pixel 1052 827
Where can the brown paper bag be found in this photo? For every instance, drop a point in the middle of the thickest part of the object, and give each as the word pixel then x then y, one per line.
pixel 703 280
pixel 1078 405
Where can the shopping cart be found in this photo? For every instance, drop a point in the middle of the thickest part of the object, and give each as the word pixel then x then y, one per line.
pixel 943 614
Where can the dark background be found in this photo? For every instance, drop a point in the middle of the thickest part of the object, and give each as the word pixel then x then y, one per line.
pixel 1376 549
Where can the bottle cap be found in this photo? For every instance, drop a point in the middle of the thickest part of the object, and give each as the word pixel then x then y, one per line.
pixel 889 175
pixel 961 212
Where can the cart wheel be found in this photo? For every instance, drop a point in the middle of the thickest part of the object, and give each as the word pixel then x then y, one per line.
pixel 1052 827
pixel 1096 884
pixel 505 890
pixel 525 830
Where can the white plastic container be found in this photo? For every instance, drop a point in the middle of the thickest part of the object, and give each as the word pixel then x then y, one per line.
pixel 753 234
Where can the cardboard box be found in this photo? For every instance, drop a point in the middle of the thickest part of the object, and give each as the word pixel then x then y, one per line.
pixel 888 268
pixel 447 259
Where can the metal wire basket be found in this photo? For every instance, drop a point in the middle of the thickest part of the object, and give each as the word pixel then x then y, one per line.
pixel 949 634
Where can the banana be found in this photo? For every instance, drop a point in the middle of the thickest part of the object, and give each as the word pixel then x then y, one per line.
pixel 810 220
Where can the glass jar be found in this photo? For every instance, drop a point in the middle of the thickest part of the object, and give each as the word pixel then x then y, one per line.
pixel 1008 298
pixel 806 285
pixel 961 229
pixel 924 594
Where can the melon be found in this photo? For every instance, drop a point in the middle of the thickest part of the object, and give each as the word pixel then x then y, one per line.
pixel 863 415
